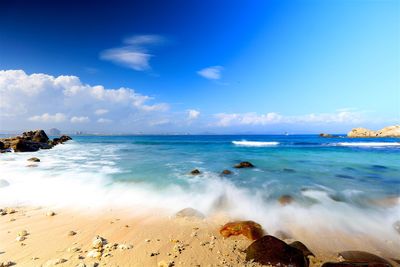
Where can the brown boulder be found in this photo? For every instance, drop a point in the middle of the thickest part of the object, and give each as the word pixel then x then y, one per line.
pixel 302 247
pixel 362 256
pixel 244 164
pixel 36 136
pixel 270 250
pixel 249 229
pixel 195 172
pixel 226 172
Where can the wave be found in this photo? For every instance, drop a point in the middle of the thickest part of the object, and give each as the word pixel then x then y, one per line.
pixel 254 143
pixel 368 144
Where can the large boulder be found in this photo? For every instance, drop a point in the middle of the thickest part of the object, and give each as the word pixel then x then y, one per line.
pixel 36 136
pixel 249 229
pixel 390 131
pixel 270 250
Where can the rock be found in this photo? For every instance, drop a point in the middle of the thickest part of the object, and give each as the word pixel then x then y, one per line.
pixel 20 238
pixel 124 246
pixel 34 159
pixel 302 247
pixel 38 136
pixel 11 211
pixel 81 264
pixel 270 250
pixel 2 145
pixel 390 131
pixel 353 264
pixel 244 164
pixel 165 264
pixel 325 135
pixel 396 226
pixel 7 264
pixel 195 172
pixel 285 200
pixel 98 242
pixel 22 233
pixel 4 183
pixel 249 229
pixel 362 256
pixel 71 233
pixel 50 213
pixel 55 262
pixel 189 213
pixel 226 172
pixel 94 253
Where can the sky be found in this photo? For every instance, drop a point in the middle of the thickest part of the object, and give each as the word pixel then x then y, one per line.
pixel 228 66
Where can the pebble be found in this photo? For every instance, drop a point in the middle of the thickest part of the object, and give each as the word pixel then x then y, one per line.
pixel 94 253
pixel 50 213
pixel 20 238
pixel 71 233
pixel 55 262
pixel 74 249
pixel 166 264
pixel 22 233
pixel 6 264
pixel 147 240
pixel 124 246
pixel 98 242
pixel 154 254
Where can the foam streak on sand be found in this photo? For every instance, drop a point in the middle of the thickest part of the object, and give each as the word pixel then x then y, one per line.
pixel 254 143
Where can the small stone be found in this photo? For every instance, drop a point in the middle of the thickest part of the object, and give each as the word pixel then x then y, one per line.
pixel 244 164
pixel 10 210
pixel 94 253
pixel 147 240
pixel 152 254
pixel 54 262
pixel 81 264
pixel 12 219
pixel 20 238
pixel 226 172
pixel 166 264
pixel 111 246
pixel 124 246
pixel 71 233
pixel 98 242
pixel 6 264
pixel 34 159
pixel 22 233
pixel 34 258
pixel 74 249
pixel 50 213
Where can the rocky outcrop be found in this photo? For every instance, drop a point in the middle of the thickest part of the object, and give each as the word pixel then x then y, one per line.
pixel 390 131
pixel 249 229
pixel 244 164
pixel 30 141
pixel 195 172
pixel 270 250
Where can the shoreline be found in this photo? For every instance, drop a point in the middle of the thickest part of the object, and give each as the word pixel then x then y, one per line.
pixel 150 239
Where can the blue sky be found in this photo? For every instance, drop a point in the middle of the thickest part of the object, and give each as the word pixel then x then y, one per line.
pixel 199 66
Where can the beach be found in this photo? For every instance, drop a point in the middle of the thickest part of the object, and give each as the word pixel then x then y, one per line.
pixel 162 201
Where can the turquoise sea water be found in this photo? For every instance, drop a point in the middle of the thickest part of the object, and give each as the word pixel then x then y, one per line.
pixel 332 178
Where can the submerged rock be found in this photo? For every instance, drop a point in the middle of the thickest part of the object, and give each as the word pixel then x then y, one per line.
pixel 362 256
pixel 195 172
pixel 226 172
pixel 285 200
pixel 189 213
pixel 34 159
pixel 244 164
pixel 249 229
pixel 270 250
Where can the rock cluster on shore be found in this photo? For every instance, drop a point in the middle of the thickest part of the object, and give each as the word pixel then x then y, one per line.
pixel 30 141
pixel 390 131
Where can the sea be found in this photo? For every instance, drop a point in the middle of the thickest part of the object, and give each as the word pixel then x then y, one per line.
pixel 350 184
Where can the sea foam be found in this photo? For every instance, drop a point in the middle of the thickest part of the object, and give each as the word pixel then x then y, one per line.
pixel 368 144
pixel 254 143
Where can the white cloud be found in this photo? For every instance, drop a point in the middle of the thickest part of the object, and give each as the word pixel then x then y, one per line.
pixel 43 98
pixel 46 117
pixel 103 120
pixel 211 73
pixel 193 114
pixel 80 119
pixel 134 54
pixel 101 111
pixel 234 119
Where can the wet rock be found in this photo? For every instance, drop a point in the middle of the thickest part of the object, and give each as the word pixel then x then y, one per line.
pixel 249 229
pixel 4 183
pixel 226 172
pixel 396 226
pixel 270 250
pixel 34 159
pixel 362 256
pixel 244 164
pixel 195 172
pixel 189 213
pixel 325 135
pixel 302 247
pixel 36 136
pixel 285 200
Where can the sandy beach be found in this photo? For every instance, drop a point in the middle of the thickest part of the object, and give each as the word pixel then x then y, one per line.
pixel 66 238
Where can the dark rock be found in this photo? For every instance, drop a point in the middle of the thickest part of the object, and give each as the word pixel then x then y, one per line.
pixel 302 247
pixel 362 256
pixel 325 135
pixel 2 146
pixel 62 139
pixel 249 229
pixel 285 200
pixel 226 172
pixel 38 136
pixel 195 172
pixel 22 145
pixel 270 250
pixel 353 264
pixel 34 159
pixel 244 164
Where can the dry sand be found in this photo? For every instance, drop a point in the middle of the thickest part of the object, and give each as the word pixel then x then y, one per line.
pixel 149 240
